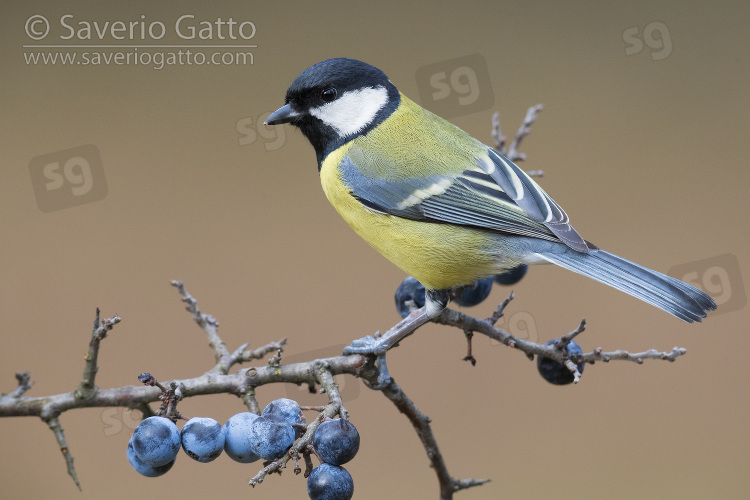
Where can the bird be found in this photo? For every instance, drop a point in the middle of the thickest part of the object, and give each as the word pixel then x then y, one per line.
pixel 441 205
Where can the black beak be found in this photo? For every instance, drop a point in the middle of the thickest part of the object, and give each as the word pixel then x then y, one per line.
pixel 284 114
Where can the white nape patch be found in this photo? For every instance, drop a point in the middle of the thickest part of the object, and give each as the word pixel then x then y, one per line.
pixel 353 111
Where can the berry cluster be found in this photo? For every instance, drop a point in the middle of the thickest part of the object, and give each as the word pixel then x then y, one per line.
pixel 247 437
pixel 336 442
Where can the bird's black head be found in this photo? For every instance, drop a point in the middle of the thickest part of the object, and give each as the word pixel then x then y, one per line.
pixel 336 100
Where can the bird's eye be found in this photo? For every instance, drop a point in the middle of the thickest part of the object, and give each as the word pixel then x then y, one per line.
pixel 328 95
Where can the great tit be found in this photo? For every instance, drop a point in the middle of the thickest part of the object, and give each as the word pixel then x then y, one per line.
pixel 441 205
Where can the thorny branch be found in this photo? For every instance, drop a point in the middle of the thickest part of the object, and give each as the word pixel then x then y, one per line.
pixel 319 372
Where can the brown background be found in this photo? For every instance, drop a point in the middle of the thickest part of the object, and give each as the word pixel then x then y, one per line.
pixel 649 157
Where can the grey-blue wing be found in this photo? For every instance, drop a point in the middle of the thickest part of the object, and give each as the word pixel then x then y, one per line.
pixel 493 194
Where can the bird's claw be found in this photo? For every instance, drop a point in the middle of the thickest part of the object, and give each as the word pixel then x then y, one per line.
pixel 373 346
pixel 367 345
pixel 384 378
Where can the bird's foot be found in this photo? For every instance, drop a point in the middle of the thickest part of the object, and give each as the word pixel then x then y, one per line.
pixel 379 344
pixel 376 345
pixel 384 378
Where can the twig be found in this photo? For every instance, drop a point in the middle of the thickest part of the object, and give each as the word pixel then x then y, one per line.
pixel 568 337
pixel 236 356
pixel 148 379
pixel 57 430
pixel 261 352
pixel 637 357
pixel 459 320
pixel 168 406
pixel 469 355
pixel 462 484
pixel 308 465
pixel 248 397
pixel 224 359
pixel 87 386
pixel 500 311
pixel 512 152
pixel 295 457
pixel 275 360
pixel 329 386
pixel 497 135
pixel 421 424
pixel 207 322
pixel 317 408
pixel 24 384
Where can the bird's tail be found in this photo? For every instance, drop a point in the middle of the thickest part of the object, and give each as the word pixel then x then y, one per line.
pixel 669 294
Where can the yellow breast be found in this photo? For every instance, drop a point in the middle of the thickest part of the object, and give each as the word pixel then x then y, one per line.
pixel 439 256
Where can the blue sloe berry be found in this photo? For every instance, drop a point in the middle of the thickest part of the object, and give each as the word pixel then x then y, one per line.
pixel 237 438
pixel 202 439
pixel 143 468
pixel 409 289
pixel 336 441
pixel 554 372
pixel 287 410
pixel 475 294
pixel 270 438
pixel 512 275
pixel 156 441
pixel 330 482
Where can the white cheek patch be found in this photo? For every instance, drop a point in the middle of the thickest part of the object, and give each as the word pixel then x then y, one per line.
pixel 353 111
